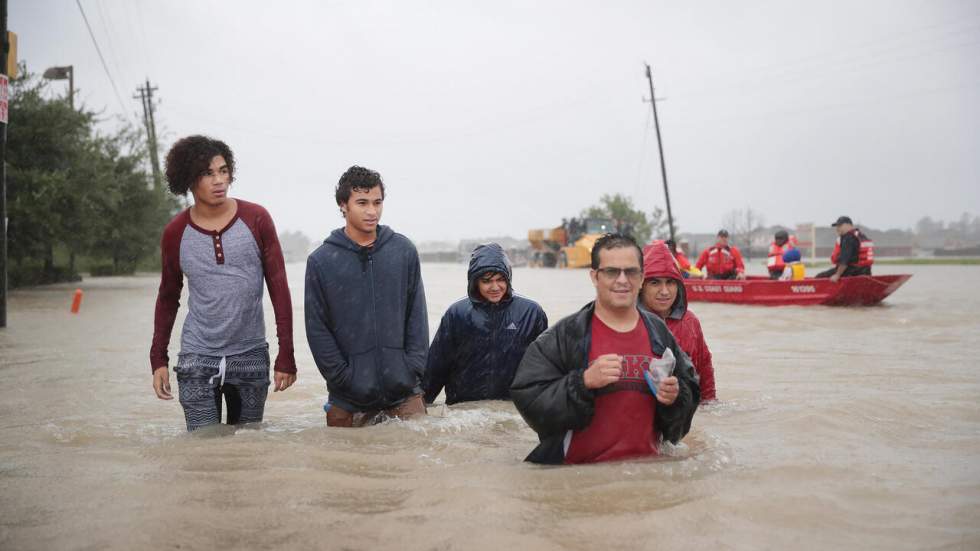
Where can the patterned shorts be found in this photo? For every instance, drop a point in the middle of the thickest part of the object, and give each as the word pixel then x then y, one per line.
pixel 243 380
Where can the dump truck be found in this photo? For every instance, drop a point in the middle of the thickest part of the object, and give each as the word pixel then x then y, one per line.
pixel 568 245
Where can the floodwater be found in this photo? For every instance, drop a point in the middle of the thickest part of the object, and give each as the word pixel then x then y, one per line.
pixel 837 428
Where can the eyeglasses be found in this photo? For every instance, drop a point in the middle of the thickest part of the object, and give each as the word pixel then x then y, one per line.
pixel 612 274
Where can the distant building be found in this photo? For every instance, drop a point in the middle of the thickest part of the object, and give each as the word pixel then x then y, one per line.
pixel 453 251
pixel 516 249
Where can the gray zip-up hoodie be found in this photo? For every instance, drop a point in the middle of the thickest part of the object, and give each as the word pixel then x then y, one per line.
pixel 366 320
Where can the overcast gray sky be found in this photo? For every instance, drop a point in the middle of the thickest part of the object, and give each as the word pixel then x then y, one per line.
pixel 490 118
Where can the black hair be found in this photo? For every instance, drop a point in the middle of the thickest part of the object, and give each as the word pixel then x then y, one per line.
pixel 614 241
pixel 359 178
pixel 189 159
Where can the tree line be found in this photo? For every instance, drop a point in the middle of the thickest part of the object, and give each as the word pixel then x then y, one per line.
pixel 74 194
pixel 620 209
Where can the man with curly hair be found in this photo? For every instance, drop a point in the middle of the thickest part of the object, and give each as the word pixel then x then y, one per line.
pixel 225 248
pixel 366 320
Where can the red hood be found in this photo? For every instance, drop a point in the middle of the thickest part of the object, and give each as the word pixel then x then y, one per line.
pixel 659 262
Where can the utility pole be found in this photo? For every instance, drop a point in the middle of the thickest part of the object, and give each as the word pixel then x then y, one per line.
pixel 660 148
pixel 146 97
pixel 4 50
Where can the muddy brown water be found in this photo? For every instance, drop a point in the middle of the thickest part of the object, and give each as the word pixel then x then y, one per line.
pixel 849 428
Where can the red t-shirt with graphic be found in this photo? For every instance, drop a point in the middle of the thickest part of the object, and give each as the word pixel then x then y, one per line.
pixel 622 425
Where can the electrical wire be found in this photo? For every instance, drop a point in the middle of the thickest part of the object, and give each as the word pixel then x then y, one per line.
pixel 868 54
pixel 102 58
pixel 110 45
pixel 131 26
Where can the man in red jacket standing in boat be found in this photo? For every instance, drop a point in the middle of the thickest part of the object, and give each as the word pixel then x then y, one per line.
pixel 853 254
pixel 663 294
pixel 721 260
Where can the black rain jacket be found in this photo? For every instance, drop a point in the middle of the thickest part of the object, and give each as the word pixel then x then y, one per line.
pixel 479 344
pixel 549 389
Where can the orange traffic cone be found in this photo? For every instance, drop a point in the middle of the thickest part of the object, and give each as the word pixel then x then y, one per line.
pixel 76 302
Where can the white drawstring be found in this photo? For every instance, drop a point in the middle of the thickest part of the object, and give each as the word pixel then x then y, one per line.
pixel 221 372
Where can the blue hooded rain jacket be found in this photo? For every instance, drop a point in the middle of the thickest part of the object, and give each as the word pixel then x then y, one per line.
pixel 366 321
pixel 479 344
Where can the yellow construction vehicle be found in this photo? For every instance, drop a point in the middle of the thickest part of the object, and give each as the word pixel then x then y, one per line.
pixel 568 245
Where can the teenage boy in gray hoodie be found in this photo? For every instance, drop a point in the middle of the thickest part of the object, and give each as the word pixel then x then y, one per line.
pixel 366 321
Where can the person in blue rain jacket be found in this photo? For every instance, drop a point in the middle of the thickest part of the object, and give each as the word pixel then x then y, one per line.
pixel 482 338
pixel 366 320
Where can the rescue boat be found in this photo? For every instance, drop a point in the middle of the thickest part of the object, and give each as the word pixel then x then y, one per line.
pixel 849 291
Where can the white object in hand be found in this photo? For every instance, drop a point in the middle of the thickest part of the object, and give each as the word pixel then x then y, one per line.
pixel 662 368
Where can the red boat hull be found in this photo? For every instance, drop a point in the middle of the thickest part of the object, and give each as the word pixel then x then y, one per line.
pixel 850 291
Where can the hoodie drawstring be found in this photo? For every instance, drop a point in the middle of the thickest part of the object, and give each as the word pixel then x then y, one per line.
pixel 222 368
pixel 364 253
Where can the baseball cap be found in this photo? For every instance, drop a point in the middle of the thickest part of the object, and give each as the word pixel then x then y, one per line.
pixel 842 220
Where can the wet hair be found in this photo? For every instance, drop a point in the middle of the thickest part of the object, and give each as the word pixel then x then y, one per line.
pixel 357 178
pixel 189 159
pixel 614 241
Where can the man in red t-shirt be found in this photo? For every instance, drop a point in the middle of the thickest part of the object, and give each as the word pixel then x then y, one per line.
pixel 610 381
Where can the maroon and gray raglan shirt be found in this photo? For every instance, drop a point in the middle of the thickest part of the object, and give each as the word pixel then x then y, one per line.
pixel 225 270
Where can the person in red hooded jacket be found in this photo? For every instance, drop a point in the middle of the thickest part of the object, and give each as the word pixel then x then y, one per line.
pixel 663 294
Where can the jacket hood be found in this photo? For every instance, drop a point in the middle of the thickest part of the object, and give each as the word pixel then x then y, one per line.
pixel 489 257
pixel 659 262
pixel 338 238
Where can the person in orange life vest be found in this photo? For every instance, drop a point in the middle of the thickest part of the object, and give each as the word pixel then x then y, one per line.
pixel 682 262
pixel 723 261
pixel 853 254
pixel 663 294
pixel 780 244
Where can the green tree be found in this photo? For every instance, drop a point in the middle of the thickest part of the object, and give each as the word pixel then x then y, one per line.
pixel 131 214
pixel 74 190
pixel 619 208
pixel 45 141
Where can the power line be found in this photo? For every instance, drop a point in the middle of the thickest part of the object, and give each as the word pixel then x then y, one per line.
pixel 860 102
pixel 111 47
pixel 137 36
pixel 881 51
pixel 101 58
